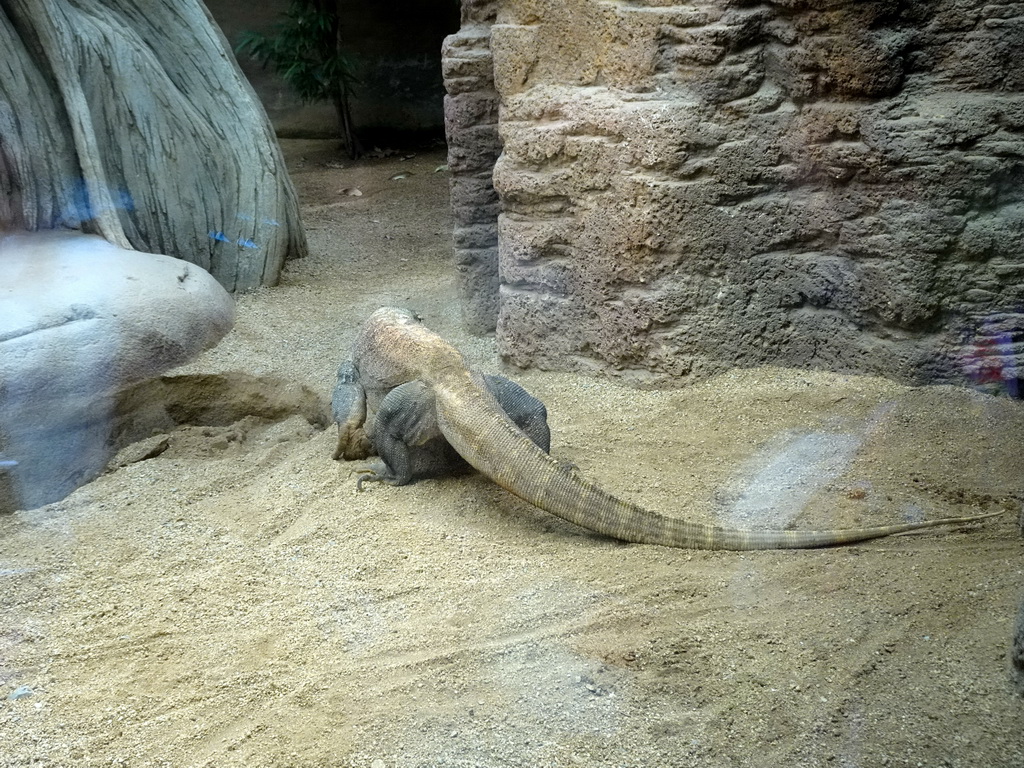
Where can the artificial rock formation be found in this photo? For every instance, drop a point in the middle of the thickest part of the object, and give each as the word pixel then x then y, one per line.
pixel 1017 651
pixel 833 184
pixel 471 122
pixel 81 319
pixel 130 119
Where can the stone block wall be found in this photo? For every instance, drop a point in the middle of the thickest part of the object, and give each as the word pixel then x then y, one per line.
pixel 471 125
pixel 816 183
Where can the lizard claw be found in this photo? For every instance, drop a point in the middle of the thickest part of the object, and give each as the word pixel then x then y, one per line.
pixel 367 475
pixel 374 472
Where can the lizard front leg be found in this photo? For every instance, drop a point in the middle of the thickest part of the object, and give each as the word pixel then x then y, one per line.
pixel 348 406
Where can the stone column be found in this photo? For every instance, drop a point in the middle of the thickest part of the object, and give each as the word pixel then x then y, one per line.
pixel 689 188
pixel 471 122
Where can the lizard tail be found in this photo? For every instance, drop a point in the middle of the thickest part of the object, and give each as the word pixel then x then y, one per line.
pixel 715 537
pixel 475 425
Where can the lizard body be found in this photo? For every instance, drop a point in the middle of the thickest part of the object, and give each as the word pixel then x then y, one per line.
pixel 400 367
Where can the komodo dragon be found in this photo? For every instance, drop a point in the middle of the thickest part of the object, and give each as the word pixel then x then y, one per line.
pixel 409 396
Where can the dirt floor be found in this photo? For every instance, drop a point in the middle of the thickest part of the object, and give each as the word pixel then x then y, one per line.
pixel 233 601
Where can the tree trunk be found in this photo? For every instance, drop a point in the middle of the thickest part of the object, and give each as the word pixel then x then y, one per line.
pixel 348 133
pixel 342 95
pixel 131 119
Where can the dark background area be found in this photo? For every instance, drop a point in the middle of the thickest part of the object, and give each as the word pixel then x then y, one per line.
pixel 397 49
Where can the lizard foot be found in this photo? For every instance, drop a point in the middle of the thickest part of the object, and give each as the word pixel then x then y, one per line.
pixel 376 472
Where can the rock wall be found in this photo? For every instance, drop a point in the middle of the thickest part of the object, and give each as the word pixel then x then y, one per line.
pixel 471 125
pixel 1017 642
pixel 830 184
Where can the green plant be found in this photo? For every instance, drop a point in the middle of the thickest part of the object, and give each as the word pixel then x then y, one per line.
pixel 306 50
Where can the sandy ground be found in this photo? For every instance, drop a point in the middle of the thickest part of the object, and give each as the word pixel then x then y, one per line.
pixel 233 601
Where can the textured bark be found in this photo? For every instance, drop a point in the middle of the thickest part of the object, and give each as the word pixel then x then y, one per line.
pixel 131 120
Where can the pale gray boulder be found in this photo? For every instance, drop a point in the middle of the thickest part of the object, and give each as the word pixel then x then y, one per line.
pixel 79 320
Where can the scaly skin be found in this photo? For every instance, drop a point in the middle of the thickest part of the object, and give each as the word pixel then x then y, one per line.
pixel 392 348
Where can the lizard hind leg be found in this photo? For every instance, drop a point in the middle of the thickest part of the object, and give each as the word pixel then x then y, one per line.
pixel 526 411
pixel 403 427
pixel 408 439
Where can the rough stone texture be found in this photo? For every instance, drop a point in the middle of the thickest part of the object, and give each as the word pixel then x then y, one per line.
pixel 80 319
pixel 1017 643
pixel 833 185
pixel 1017 651
pixel 471 123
